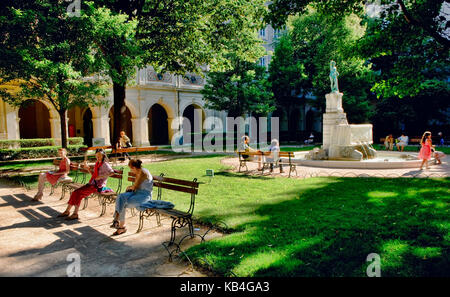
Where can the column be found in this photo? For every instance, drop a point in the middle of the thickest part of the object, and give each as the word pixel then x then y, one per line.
pixel 3 131
pixel 12 122
pixel 101 128
pixel 140 131
pixel 171 131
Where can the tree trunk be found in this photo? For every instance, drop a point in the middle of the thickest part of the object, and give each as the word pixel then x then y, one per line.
pixel 62 116
pixel 119 103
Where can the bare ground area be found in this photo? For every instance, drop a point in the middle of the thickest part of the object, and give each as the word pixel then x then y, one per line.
pixel 34 242
pixel 442 170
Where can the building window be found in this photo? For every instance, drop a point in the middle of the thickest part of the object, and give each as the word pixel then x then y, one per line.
pixel 262 32
pixel 262 61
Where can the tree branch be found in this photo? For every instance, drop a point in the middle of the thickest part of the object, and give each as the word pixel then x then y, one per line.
pixel 411 20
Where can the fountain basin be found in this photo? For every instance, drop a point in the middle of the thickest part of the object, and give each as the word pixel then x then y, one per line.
pixel 384 160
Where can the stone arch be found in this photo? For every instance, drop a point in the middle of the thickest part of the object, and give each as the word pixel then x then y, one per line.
pixel 88 126
pixel 133 109
pixel 158 125
pixel 191 113
pixel 126 124
pixel 35 120
pixel 168 109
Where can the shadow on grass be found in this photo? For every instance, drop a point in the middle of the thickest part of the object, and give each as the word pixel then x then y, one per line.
pixel 330 231
pixel 242 175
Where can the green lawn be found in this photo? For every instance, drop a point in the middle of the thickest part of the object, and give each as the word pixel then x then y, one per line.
pixel 317 226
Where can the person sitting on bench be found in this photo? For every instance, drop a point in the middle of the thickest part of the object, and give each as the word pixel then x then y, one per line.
pixel 246 147
pixel 275 150
pixel 54 177
pixel 137 194
pixel 102 170
pixel 124 142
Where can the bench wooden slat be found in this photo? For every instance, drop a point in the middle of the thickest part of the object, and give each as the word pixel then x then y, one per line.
pixel 168 180
pixel 125 150
pixel 179 182
pixel 174 212
pixel 143 149
pixel 94 148
pixel 175 187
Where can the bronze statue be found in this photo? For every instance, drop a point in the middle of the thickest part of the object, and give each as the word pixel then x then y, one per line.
pixel 333 77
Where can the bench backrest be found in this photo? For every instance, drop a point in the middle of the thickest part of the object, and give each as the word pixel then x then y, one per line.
pixel 94 148
pixel 73 167
pixel 134 149
pixel 173 184
pixel 261 153
pixel 118 174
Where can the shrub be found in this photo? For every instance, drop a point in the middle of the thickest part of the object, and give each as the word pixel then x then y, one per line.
pixel 38 152
pixel 36 142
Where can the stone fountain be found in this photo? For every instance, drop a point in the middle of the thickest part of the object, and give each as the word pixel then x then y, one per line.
pixel 342 141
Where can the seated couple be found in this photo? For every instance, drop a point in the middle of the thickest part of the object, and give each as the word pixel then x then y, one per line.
pixel 274 149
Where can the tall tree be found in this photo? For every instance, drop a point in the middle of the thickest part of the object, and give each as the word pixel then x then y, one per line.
pixel 288 78
pixel 317 39
pixel 47 55
pixel 242 90
pixel 425 15
pixel 408 61
pixel 180 36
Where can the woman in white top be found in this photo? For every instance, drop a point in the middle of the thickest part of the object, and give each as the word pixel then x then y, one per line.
pixel 140 192
pixel 275 150
pixel 402 142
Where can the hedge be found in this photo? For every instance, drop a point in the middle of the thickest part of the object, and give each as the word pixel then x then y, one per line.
pixel 38 152
pixel 37 142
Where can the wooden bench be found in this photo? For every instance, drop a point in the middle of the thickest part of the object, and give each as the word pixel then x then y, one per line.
pixel 179 218
pixel 244 158
pixel 277 161
pixel 411 140
pixel 106 198
pixel 115 152
pixel 76 182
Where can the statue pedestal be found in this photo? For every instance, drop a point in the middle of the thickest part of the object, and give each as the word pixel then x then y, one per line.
pixel 341 140
pixel 333 117
pixel 334 102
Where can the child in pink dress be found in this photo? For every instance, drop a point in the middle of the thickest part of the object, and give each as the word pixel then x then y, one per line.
pixel 53 177
pixel 425 150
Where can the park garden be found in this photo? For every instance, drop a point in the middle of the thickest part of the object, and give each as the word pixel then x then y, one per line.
pixel 324 219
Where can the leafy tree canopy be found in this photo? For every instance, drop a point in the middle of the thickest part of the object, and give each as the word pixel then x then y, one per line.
pixel 316 40
pixel 48 56
pixel 241 90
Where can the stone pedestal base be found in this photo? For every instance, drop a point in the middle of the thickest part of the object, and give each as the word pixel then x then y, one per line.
pixel 344 152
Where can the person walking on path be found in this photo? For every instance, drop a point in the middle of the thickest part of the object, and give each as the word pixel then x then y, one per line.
pixel 425 150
